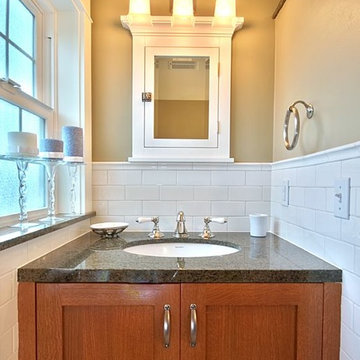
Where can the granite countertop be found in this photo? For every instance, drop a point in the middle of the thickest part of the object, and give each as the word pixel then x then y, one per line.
pixel 12 236
pixel 92 259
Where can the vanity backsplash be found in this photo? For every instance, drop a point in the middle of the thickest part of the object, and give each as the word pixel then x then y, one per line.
pixel 125 191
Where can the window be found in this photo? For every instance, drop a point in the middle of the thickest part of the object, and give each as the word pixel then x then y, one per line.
pixel 21 108
pixel 17 45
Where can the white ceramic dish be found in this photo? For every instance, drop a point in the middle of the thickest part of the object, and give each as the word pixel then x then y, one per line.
pixel 109 229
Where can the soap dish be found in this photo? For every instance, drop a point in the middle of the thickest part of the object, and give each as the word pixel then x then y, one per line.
pixel 109 229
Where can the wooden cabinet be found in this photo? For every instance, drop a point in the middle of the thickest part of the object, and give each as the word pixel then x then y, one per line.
pixel 227 321
pixel 105 321
pixel 254 321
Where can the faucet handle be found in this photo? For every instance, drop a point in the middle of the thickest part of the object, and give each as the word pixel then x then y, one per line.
pixel 141 220
pixel 155 233
pixel 206 233
pixel 219 220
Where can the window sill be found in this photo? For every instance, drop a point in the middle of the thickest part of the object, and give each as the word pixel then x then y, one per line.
pixel 10 237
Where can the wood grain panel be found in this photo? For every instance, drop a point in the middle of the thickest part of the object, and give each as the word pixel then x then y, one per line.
pixel 27 321
pixel 106 321
pixel 108 332
pixel 253 321
pixel 49 322
pixel 249 330
pixel 331 321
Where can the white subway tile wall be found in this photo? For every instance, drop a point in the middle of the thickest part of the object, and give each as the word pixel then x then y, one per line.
pixel 230 190
pixel 309 222
pixel 124 191
pixel 10 260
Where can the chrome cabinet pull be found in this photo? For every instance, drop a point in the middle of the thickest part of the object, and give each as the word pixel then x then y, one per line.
pixel 146 96
pixel 166 325
pixel 193 325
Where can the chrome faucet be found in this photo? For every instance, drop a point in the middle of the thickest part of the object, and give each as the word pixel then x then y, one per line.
pixel 180 231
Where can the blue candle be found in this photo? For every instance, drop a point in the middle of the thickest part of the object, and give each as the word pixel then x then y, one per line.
pixel 73 142
pixel 51 145
pixel 51 148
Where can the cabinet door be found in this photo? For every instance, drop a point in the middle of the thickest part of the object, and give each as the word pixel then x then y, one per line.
pixel 106 322
pixel 253 321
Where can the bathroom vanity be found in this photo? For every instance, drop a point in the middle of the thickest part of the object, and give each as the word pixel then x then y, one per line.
pixel 91 300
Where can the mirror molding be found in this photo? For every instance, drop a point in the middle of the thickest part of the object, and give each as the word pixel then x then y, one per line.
pixel 160 32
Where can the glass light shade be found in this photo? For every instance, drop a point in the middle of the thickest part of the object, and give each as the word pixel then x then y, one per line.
pixel 183 8
pixel 225 8
pixel 139 7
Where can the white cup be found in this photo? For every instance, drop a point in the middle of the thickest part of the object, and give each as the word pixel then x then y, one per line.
pixel 258 225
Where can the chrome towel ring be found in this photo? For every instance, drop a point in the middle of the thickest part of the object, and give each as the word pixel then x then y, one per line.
pixel 293 110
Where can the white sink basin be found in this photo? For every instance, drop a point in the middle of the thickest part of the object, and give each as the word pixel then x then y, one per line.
pixel 181 249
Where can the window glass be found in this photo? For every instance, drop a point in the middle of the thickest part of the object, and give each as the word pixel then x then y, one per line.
pixel 2 58
pixel 8 188
pixel 21 26
pixel 36 187
pixel 3 16
pixel 21 70
pixel 9 121
pixel 33 123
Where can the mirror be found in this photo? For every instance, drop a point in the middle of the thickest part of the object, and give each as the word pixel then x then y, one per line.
pixel 181 104
pixel 184 83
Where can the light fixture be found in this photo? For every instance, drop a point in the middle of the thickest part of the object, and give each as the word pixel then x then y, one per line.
pixel 139 11
pixel 183 12
pixel 225 12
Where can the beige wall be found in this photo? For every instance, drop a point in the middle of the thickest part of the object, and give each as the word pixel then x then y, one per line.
pixel 317 59
pixel 252 79
pixel 252 90
pixel 111 81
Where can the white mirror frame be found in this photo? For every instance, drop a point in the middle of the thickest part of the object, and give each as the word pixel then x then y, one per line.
pixel 159 37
